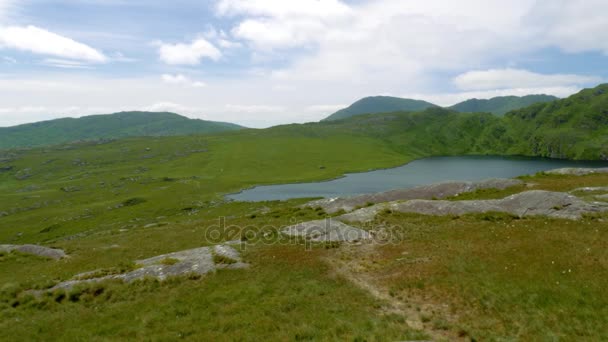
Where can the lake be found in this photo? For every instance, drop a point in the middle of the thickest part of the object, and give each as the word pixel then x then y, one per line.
pixel 419 172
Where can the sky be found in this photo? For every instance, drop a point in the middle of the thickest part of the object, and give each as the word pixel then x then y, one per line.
pixel 261 63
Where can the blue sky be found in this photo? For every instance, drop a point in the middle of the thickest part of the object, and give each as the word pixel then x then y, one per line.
pixel 267 62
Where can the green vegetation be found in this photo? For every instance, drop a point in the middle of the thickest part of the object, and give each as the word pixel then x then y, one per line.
pixel 111 126
pixel 575 128
pixel 500 105
pixel 110 203
pixel 380 104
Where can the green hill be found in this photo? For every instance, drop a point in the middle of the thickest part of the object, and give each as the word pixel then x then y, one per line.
pixel 379 104
pixel 574 128
pixel 501 105
pixel 95 127
pixel 387 104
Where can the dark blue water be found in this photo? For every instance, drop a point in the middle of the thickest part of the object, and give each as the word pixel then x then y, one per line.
pixel 419 172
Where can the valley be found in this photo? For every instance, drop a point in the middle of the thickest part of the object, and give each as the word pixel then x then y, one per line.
pixel 118 206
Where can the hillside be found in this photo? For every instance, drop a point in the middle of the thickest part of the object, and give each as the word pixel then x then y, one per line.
pixel 379 104
pixel 118 125
pixel 501 105
pixel 574 128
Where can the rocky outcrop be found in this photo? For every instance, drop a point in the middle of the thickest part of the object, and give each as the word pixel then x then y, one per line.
pixel 434 191
pixel 577 171
pixel 41 251
pixel 328 230
pixel 529 203
pixel 591 189
pixel 194 261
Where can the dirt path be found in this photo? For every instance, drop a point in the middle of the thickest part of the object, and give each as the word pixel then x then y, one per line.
pixel 353 262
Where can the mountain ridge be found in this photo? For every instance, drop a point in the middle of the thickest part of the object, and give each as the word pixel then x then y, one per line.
pixel 107 126
pixel 379 104
pixel 499 105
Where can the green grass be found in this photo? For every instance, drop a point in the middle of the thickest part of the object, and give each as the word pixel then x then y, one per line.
pixel 505 278
pixel 289 294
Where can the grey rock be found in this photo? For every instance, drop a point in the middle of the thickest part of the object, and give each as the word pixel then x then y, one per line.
pixel 577 171
pixel 41 251
pixel 193 261
pixel 433 191
pixel 328 230
pixel 525 204
pixel 602 197
pixel 591 189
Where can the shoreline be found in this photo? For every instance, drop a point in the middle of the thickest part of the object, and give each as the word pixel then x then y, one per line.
pixel 504 157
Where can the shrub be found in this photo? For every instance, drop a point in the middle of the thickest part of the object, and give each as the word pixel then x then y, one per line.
pixel 223 260
pixel 133 201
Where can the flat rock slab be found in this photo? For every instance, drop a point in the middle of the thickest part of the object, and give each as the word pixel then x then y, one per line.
pixel 577 171
pixel 525 204
pixel 591 189
pixel 193 261
pixel 328 230
pixel 41 251
pixel 433 191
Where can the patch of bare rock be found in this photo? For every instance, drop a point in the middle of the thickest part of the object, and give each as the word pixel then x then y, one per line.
pixel 328 230
pixel 40 251
pixel 198 261
pixel 433 191
pixel 577 171
pixel 529 203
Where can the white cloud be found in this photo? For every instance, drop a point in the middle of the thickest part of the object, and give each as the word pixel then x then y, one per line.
pixel 6 7
pixel 254 108
pixel 41 41
pixel 449 99
pixel 386 42
pixel 8 60
pixel 572 25
pixel 180 79
pixel 175 108
pixel 399 44
pixel 326 108
pixel 283 9
pixel 188 54
pixel 516 78
pixel 65 63
pixel 227 44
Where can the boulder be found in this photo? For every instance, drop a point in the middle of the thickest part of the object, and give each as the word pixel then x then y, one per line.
pixel 328 230
pixel 577 171
pixel 41 251
pixel 193 261
pixel 433 191
pixel 525 204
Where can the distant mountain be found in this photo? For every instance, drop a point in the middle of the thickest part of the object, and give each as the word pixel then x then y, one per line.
pixel 387 104
pixel 117 125
pixel 379 104
pixel 501 105
pixel 572 128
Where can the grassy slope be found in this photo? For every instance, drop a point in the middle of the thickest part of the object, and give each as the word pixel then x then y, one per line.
pixel 504 278
pixel 379 104
pixel 501 105
pixel 118 125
